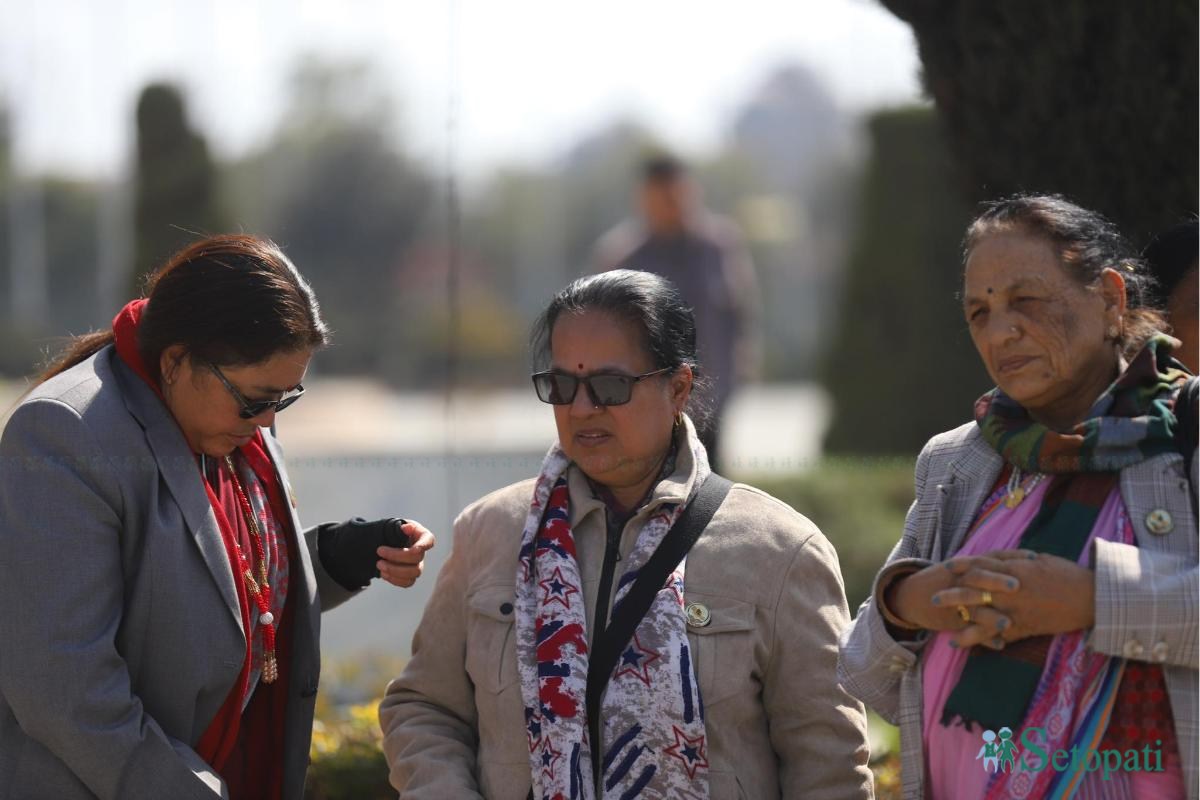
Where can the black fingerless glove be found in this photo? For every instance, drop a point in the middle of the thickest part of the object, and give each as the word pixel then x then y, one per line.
pixel 347 549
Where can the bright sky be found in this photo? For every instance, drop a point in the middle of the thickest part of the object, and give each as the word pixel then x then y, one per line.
pixel 530 76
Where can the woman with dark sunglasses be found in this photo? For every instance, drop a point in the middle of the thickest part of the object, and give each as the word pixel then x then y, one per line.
pixel 726 686
pixel 160 602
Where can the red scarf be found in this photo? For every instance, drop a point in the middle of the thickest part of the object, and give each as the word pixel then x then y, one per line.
pixel 244 747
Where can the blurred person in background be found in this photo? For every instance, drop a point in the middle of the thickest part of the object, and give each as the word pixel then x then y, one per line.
pixel 1046 580
pixel 722 679
pixel 159 601
pixel 703 255
pixel 1173 258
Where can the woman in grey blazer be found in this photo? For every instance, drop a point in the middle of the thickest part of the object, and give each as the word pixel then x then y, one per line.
pixel 1034 632
pixel 159 601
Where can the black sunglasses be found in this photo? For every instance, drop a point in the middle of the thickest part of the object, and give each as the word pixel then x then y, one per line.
pixel 251 410
pixel 604 388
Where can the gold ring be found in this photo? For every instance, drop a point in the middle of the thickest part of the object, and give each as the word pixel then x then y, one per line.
pixel 963 614
pixel 987 598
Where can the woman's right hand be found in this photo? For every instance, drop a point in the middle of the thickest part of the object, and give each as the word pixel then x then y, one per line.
pixel 357 551
pixel 912 598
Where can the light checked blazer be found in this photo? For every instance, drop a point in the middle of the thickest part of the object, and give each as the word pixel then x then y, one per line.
pixel 1146 596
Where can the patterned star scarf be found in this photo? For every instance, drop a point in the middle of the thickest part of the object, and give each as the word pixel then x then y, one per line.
pixel 652 716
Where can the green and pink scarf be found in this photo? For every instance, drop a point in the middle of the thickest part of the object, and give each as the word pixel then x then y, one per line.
pixel 1133 420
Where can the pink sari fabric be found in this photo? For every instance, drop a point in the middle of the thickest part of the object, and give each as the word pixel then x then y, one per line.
pixel 955 761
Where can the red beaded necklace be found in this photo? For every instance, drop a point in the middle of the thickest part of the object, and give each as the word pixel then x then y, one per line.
pixel 259 589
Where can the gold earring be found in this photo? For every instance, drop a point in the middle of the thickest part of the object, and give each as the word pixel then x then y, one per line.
pixel 1114 332
pixel 678 418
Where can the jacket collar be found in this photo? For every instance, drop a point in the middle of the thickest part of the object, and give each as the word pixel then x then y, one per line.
pixel 973 473
pixel 675 488
pixel 975 466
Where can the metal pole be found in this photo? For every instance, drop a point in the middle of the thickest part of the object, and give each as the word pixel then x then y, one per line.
pixel 453 237
pixel 114 215
pixel 27 229
pixel 26 206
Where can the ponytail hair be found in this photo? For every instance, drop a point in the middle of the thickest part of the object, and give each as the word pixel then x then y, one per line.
pixel 229 300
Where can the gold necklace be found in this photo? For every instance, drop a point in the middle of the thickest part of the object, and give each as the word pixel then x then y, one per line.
pixel 259 590
pixel 1015 492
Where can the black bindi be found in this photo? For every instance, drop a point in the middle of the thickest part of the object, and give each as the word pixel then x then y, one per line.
pixel 990 290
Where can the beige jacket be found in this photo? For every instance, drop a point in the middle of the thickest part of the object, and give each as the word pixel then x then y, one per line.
pixel 778 723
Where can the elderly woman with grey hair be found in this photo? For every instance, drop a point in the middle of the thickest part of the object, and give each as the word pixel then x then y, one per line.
pixel 1034 632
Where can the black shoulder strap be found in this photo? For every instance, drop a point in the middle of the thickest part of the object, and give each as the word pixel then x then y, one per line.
pixel 1187 407
pixel 608 644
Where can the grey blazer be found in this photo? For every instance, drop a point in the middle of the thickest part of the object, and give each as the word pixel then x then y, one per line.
pixel 1147 597
pixel 120 634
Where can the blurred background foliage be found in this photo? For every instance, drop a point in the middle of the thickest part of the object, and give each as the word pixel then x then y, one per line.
pixel 176 195
pixel 854 221
pixel 1094 99
pixel 859 504
pixel 902 366
pixel 377 232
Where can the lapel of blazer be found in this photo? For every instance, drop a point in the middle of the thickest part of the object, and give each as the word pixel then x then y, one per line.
pixel 177 466
pixel 973 472
pixel 1156 485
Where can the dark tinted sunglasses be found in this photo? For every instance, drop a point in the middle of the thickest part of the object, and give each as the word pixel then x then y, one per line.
pixel 251 410
pixel 604 388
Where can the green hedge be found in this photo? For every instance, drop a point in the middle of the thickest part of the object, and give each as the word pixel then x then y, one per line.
pixel 859 504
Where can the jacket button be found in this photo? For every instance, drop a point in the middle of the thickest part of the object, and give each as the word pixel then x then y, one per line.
pixel 1133 649
pixel 1159 652
pixel 506 608
pixel 698 615
pixel 1159 521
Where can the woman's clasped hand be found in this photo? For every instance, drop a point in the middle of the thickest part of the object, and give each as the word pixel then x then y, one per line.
pixel 999 597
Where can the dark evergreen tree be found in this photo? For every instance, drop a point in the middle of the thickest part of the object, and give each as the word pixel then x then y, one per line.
pixel 176 197
pixel 337 191
pixel 1094 99
pixel 900 365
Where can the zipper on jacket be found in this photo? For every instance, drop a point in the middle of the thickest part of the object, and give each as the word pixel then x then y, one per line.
pixel 612 554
